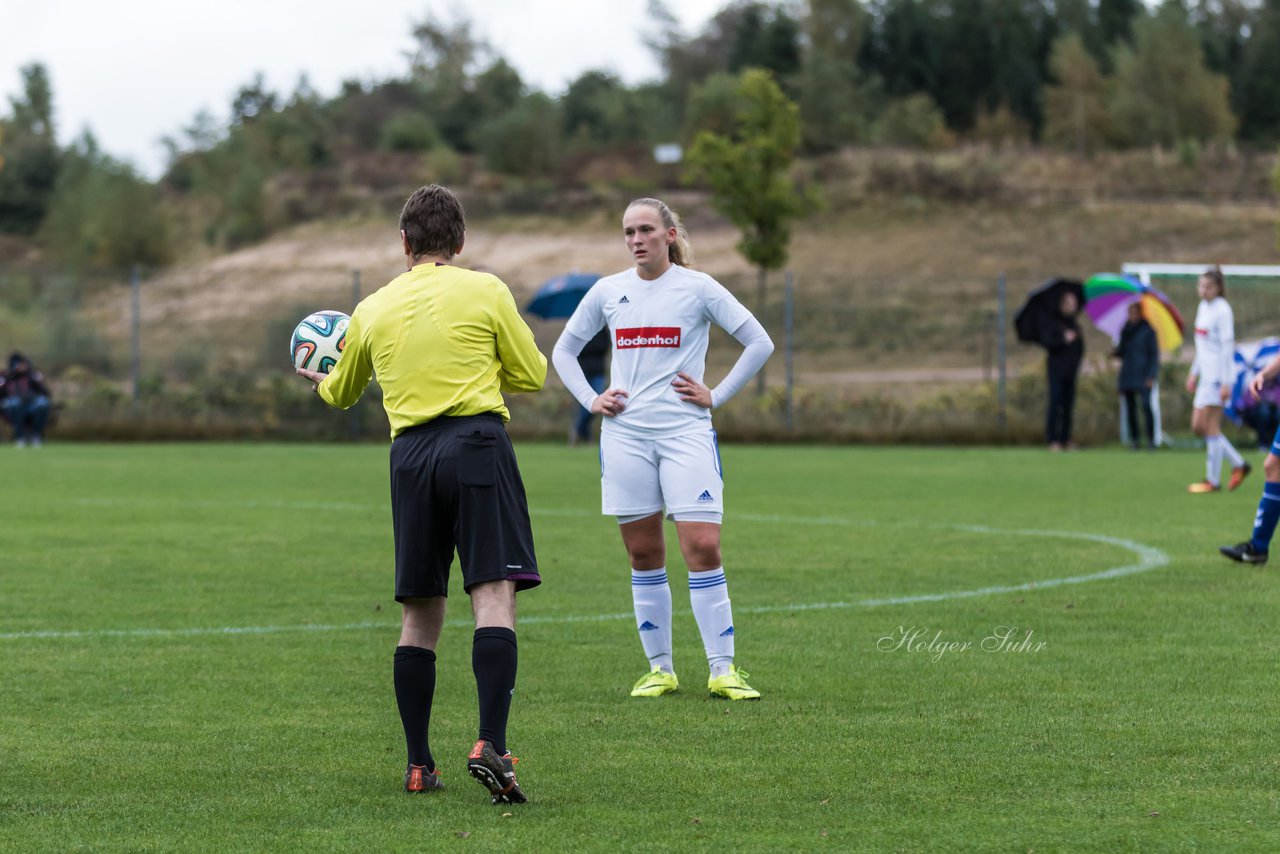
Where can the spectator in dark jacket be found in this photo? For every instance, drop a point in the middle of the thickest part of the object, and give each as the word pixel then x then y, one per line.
pixel 1060 335
pixel 24 401
pixel 1139 355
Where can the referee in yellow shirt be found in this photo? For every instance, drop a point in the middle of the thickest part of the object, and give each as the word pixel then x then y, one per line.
pixel 445 343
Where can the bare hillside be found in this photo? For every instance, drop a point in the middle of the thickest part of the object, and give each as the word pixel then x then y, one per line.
pixel 883 287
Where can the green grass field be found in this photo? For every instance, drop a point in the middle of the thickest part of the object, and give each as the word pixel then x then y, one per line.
pixel 196 640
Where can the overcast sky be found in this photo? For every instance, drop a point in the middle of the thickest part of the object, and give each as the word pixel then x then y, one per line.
pixel 136 70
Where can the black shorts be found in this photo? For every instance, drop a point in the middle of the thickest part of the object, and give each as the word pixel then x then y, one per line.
pixel 455 484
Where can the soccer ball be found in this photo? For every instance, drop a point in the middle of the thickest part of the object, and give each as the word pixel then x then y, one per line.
pixel 319 340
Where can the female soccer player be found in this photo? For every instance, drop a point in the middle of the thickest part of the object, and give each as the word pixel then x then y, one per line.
pixel 1256 549
pixel 658 451
pixel 1210 381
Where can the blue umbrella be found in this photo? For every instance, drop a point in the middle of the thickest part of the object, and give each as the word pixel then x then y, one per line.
pixel 558 297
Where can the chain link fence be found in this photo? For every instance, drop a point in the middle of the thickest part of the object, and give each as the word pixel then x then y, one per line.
pixel 891 358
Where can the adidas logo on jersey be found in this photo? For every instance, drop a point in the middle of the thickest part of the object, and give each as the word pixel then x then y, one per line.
pixel 706 496
pixel 623 300
pixel 647 626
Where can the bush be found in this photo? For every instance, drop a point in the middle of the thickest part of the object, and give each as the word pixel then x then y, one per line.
pixel 409 132
pixel 913 122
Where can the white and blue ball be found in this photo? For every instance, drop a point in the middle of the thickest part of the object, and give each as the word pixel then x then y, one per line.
pixel 319 340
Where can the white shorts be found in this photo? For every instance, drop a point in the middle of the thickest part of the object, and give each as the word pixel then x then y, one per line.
pixel 1208 393
pixel 682 474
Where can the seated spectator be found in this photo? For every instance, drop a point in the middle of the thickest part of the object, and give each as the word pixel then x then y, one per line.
pixel 24 400
pixel 1262 414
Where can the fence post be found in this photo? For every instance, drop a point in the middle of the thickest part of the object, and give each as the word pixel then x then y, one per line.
pixel 1001 323
pixel 788 324
pixel 135 350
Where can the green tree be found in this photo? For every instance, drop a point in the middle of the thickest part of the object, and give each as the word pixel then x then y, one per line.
pixel 836 102
pixel 30 155
pixel 765 37
pixel 715 105
pixel 1115 21
pixel 460 81
pixel 103 214
pixel 743 34
pixel 524 141
pixel 409 131
pixel 749 172
pixel 1258 95
pixel 1275 182
pixel 1163 93
pixel 1075 105
pixel 598 110
pixel 252 100
pixel 913 122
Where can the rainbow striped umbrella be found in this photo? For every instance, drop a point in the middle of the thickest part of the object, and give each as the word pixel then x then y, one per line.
pixel 1107 300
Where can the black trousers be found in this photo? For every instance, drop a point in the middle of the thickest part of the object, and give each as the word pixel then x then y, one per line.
pixel 1062 402
pixel 1134 398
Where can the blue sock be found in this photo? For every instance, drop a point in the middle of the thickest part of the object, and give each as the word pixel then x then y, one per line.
pixel 1264 524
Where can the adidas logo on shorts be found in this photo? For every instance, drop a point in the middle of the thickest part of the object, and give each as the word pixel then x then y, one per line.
pixel 705 496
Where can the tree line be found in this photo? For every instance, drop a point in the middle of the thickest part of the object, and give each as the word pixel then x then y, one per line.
pixel 1082 75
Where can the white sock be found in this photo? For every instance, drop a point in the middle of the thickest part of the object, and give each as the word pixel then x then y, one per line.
pixel 1230 450
pixel 1213 461
pixel 651 597
pixel 709 596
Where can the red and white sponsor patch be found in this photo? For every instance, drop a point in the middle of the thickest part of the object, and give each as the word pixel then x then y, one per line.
pixel 647 336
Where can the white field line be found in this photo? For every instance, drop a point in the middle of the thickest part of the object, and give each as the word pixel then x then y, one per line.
pixel 1148 558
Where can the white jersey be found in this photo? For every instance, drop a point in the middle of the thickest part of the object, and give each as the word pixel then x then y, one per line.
pixel 658 329
pixel 1215 341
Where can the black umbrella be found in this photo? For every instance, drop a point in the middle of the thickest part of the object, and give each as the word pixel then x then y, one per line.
pixel 1041 304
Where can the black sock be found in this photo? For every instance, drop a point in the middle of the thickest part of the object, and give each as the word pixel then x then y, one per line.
pixel 415 680
pixel 493 658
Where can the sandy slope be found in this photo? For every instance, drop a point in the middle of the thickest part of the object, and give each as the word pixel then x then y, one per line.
pixel 932 259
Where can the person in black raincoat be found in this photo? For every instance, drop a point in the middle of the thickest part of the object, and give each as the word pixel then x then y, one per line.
pixel 1139 354
pixel 1060 335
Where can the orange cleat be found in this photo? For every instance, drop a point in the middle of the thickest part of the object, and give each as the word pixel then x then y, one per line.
pixel 495 773
pixel 1202 486
pixel 1238 474
pixel 418 779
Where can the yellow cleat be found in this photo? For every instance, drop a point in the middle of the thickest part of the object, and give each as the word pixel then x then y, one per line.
pixel 655 683
pixel 732 686
pixel 1201 487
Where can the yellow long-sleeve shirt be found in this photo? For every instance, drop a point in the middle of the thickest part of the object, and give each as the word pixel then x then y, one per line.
pixel 442 341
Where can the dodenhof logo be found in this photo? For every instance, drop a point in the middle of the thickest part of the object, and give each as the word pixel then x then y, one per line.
pixel 647 336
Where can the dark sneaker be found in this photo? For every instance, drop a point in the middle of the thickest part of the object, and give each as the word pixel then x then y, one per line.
pixel 418 779
pixel 1238 474
pixel 1244 553
pixel 496 773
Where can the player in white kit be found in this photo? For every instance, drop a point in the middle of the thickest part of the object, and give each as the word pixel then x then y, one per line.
pixel 1210 380
pixel 658 451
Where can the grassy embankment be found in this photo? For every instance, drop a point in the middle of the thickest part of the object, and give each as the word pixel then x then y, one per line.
pixel 895 333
